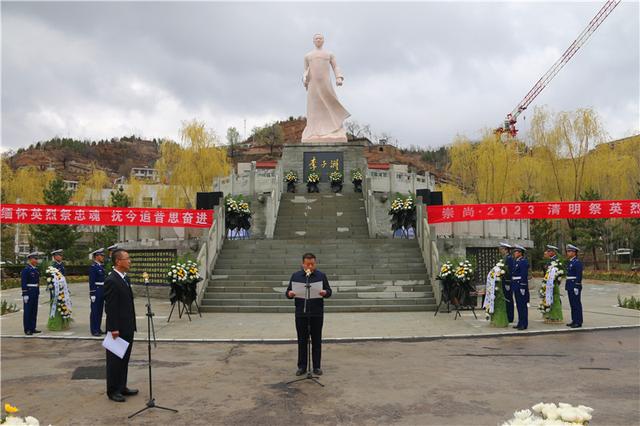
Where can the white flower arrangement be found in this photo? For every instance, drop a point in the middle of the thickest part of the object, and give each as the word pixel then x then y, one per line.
pixel 464 271
pixel 313 177
pixel 356 174
pixel 291 176
pixel 548 414
pixel 51 274
pixel 192 270
pixel 543 307
pixel 237 205
pixel 335 176
pixel 446 270
pixel 177 273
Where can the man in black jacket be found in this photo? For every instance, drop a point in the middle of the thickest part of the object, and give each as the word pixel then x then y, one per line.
pixel 121 322
pixel 313 316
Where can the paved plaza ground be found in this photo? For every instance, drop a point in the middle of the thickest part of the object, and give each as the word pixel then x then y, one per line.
pixel 599 302
pixel 475 381
pixel 445 372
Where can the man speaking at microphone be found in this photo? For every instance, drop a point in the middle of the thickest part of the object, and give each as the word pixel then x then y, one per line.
pixel 314 315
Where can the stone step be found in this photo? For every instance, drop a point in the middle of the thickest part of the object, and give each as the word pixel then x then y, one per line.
pixel 338 302
pixel 279 270
pixel 341 277
pixel 364 295
pixel 292 265
pixel 417 290
pixel 427 307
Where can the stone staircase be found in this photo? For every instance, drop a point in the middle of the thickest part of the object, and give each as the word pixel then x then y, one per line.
pixel 365 274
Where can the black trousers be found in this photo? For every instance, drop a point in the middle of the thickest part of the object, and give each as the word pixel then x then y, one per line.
pixel 117 369
pixel 302 328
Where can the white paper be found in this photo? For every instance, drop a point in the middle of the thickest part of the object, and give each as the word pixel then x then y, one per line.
pixel 117 346
pixel 301 291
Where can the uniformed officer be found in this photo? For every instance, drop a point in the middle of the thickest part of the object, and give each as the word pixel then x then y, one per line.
pixel 573 286
pixel 57 260
pixel 107 262
pixel 520 286
pixel 96 292
pixel 30 278
pixel 551 254
pixel 505 251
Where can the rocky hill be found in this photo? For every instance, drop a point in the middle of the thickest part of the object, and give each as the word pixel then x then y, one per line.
pixel 73 159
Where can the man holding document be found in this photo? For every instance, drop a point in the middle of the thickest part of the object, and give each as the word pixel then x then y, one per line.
pixel 121 323
pixel 314 315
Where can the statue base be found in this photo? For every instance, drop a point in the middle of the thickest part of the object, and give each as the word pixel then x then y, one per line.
pixel 350 155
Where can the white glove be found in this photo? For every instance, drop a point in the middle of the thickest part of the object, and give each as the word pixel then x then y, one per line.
pixel 93 299
pixel 25 299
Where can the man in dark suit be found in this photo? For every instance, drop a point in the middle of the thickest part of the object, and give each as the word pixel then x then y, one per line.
pixel 121 322
pixel 314 315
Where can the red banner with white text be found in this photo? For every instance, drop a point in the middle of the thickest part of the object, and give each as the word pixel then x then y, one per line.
pixel 37 214
pixel 600 209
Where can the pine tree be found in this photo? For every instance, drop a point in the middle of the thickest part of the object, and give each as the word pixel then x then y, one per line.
pixel 50 237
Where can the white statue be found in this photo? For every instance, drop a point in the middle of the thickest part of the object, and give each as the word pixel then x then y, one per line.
pixel 325 114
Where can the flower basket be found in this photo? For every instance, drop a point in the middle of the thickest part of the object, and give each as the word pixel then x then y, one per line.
pixel 403 215
pixel 312 181
pixel 291 178
pixel 336 181
pixel 237 216
pixel 356 178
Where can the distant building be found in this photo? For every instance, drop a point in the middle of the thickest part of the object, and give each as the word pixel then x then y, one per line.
pixel 71 185
pixel 145 173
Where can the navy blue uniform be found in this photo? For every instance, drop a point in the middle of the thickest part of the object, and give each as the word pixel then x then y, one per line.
pixel 96 295
pixel 506 285
pixel 30 279
pixel 313 317
pixel 520 287
pixel 573 286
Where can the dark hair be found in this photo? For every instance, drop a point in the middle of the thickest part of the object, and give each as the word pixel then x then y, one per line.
pixel 308 256
pixel 116 255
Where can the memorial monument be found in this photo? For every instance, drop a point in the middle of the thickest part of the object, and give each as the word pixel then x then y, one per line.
pixel 325 114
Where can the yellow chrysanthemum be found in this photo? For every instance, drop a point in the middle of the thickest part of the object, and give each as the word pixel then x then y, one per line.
pixel 10 408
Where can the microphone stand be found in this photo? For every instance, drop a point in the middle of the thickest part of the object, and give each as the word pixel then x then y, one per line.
pixel 151 403
pixel 307 315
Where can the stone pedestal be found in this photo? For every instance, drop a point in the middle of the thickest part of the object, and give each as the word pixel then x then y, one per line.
pixel 351 155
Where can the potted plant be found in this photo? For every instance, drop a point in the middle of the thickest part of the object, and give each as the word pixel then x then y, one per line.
pixel 291 178
pixel 356 178
pixel 312 181
pixel 237 217
pixel 336 180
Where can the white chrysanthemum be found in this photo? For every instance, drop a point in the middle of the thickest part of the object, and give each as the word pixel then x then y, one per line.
pixel 13 421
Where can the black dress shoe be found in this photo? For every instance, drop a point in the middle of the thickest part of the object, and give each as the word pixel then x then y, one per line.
pixel 36 331
pixel 317 371
pixel 129 392
pixel 301 371
pixel 117 397
pixel 576 325
pixel 515 326
pixel 521 328
pixel 103 332
pixel 96 334
pixel 28 333
pixel 570 324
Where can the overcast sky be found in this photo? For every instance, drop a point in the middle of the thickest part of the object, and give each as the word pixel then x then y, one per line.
pixel 422 72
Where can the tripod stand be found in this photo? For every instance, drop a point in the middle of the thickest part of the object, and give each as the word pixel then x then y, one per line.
pixel 151 332
pixel 307 315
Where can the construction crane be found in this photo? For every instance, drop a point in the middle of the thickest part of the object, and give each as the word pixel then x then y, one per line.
pixel 509 125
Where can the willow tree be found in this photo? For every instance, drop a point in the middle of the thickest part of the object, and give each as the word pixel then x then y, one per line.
pixel 89 190
pixel 485 169
pixel 191 166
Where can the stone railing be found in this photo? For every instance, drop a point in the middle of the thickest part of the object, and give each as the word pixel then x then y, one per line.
pixel 369 206
pixel 211 244
pixel 274 204
pixel 426 236
pixel 393 181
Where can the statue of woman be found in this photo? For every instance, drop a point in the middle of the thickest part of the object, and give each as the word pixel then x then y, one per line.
pixel 325 114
